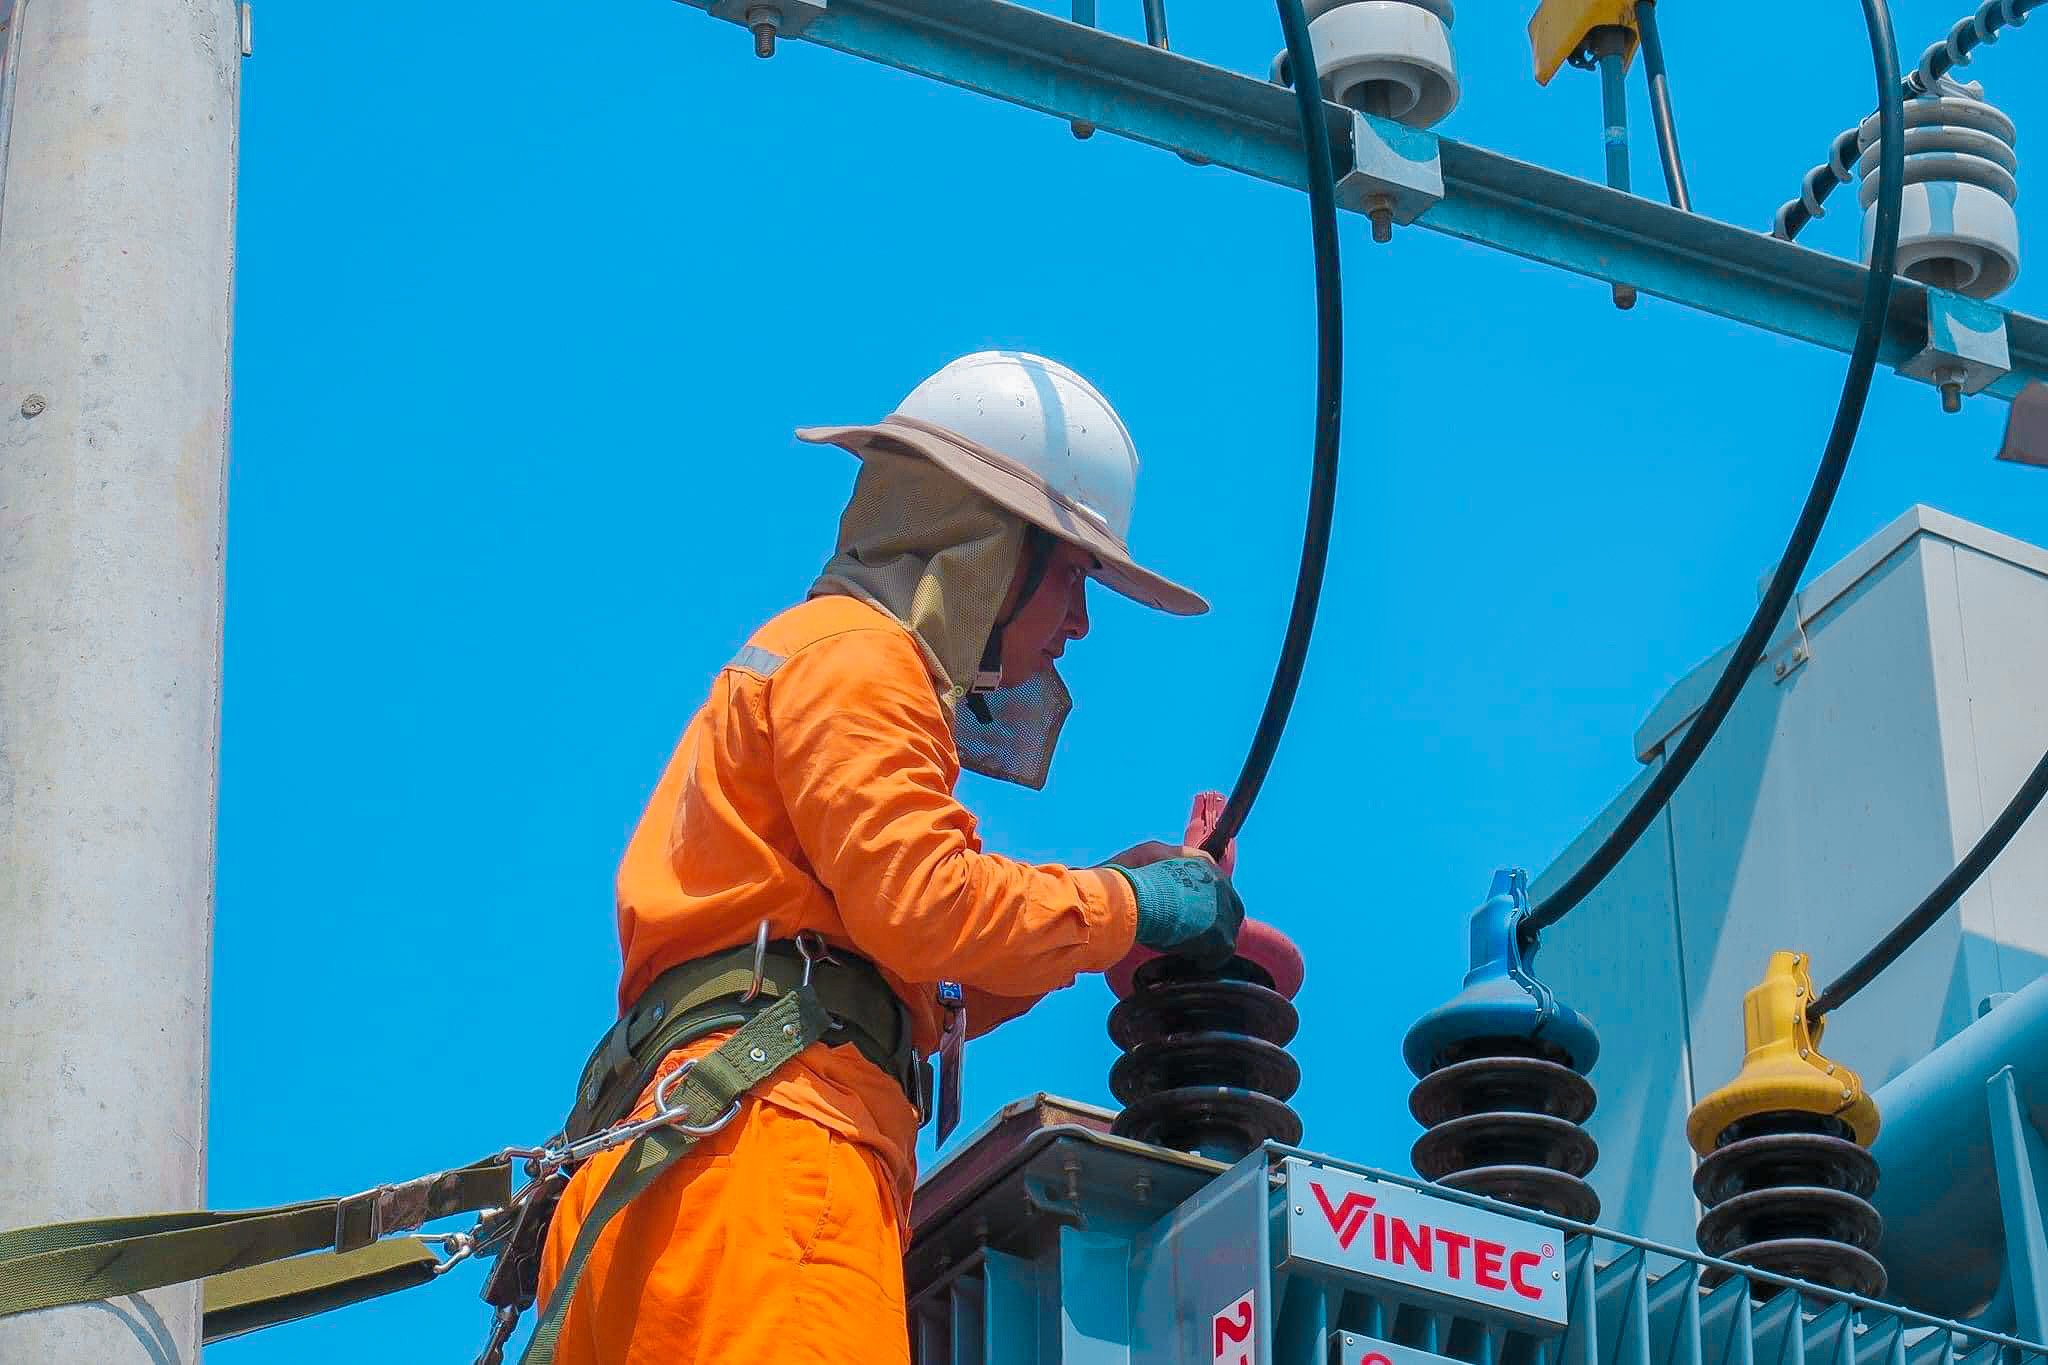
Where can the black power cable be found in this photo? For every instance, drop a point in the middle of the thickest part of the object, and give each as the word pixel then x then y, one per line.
pixel 1940 899
pixel 1155 23
pixel 1661 113
pixel 1953 51
pixel 1322 497
pixel 1877 298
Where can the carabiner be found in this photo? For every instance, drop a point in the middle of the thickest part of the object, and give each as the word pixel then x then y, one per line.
pixel 760 962
pixel 456 1247
pixel 811 946
pixel 665 1115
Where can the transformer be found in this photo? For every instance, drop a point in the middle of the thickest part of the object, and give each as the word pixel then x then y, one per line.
pixel 1046 1239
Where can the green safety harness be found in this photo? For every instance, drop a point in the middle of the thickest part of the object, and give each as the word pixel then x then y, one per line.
pixel 260 1267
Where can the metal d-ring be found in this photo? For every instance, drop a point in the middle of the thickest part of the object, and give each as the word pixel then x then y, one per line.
pixel 760 962
pixel 665 1115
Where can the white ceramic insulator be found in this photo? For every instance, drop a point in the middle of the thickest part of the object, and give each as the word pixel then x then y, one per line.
pixel 1387 57
pixel 1957 227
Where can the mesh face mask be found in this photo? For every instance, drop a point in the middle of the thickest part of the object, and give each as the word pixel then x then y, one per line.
pixel 939 557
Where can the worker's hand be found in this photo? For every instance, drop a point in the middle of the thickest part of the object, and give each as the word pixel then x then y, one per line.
pixel 1154 851
pixel 1186 907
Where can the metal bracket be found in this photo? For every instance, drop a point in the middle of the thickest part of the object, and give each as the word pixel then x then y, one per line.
pixel 1789 658
pixel 1790 649
pixel 1966 344
pixel 1395 173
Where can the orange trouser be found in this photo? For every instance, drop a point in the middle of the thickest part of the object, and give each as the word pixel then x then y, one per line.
pixel 775 1239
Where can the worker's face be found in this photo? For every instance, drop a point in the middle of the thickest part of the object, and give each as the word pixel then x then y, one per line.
pixel 1054 614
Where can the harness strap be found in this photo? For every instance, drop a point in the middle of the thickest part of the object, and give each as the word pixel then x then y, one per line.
pixel 706 994
pixel 708 1096
pixel 285 1291
pixel 57 1264
pixel 271 1265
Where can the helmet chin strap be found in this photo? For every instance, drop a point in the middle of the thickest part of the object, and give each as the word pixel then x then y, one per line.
pixel 1038 547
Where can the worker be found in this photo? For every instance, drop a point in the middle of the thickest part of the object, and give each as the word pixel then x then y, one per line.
pixel 809 810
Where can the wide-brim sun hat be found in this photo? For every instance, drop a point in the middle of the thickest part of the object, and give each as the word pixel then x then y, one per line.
pixel 1038 440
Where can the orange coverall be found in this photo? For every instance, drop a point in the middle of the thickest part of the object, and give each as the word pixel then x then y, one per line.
pixel 814 789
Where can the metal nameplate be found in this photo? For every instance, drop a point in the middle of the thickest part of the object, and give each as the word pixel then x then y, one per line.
pixel 1417 1248
pixel 1355 1348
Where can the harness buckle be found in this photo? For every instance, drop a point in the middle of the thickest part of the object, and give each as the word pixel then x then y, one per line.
pixel 359 1219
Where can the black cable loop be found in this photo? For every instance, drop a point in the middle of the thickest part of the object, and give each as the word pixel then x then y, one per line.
pixel 1662 115
pixel 1877 297
pixel 1322 500
pixel 1978 28
pixel 1939 901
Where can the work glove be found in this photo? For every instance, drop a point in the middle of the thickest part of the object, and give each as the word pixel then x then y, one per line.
pixel 1187 908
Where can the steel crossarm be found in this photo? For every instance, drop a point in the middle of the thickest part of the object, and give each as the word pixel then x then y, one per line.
pixel 1100 80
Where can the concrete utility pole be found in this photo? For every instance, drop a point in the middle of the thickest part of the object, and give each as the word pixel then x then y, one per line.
pixel 117 203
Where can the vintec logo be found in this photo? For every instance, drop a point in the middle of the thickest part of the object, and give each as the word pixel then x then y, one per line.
pixel 1348 1216
pixel 1435 1249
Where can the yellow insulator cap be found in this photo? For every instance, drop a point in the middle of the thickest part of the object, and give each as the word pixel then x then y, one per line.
pixel 1560 28
pixel 1782 1067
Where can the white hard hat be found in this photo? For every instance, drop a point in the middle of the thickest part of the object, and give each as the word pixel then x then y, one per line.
pixel 1039 440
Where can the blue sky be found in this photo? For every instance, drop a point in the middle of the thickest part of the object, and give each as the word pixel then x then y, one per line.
pixel 529 300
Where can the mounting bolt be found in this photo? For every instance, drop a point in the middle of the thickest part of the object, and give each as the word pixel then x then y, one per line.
pixel 766 22
pixel 1624 296
pixel 1083 130
pixel 1950 381
pixel 1380 209
pixel 33 405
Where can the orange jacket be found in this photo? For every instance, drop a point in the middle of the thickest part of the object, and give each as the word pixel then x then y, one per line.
pixel 815 790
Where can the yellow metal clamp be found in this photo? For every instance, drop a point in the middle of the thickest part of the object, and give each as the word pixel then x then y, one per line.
pixel 1559 29
pixel 1782 1066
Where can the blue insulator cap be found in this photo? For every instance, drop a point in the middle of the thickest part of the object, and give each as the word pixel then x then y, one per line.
pixel 1502 998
